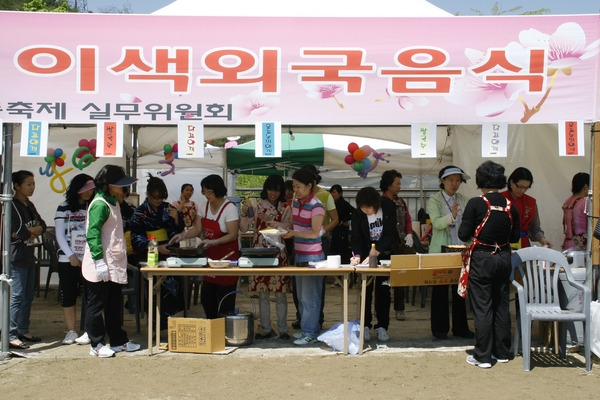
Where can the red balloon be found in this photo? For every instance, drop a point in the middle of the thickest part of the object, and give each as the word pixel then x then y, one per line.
pixel 59 162
pixel 359 154
pixel 176 148
pixel 93 143
pixel 84 143
pixel 352 147
pixel 349 159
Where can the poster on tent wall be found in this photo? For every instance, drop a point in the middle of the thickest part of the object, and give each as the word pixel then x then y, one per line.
pixel 267 136
pixel 154 69
pixel 423 140
pixel 494 139
pixel 570 138
pixel 190 139
pixel 109 139
pixel 34 138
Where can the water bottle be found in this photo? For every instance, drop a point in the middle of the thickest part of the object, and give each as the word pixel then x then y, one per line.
pixel 250 209
pixel 152 252
pixel 373 256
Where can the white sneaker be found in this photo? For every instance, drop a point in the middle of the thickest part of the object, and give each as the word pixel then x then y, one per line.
pixel 382 335
pixel 70 338
pixel 298 335
pixel 305 340
pixel 128 347
pixel 101 351
pixel 500 360
pixel 83 339
pixel 471 360
pixel 367 334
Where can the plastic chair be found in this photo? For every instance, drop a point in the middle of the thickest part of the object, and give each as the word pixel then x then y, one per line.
pixel 51 252
pixel 133 293
pixel 538 296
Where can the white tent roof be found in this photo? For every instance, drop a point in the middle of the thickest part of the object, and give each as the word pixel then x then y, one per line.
pixel 306 8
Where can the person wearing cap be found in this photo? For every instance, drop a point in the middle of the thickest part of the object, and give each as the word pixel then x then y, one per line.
pixel 69 222
pixel 445 209
pixel 519 182
pixel 104 265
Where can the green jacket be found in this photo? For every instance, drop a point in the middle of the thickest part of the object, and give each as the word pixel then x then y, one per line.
pixel 97 215
pixel 440 221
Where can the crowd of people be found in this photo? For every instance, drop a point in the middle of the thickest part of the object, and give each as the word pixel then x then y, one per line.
pixel 98 234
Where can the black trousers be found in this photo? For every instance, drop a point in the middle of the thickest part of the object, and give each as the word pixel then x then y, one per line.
pixel 490 299
pixel 440 317
pixel 212 294
pixel 382 303
pixel 399 298
pixel 104 298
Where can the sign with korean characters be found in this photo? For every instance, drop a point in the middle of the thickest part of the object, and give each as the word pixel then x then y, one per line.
pixel 147 69
pixel 34 138
pixel 423 140
pixel 190 139
pixel 267 139
pixel 570 138
pixel 109 139
pixel 494 139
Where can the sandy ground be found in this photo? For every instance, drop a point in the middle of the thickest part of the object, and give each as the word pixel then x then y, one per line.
pixel 410 366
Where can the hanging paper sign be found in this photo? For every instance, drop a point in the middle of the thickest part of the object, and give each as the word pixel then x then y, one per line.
pixel 34 138
pixel 267 139
pixel 570 138
pixel 1 144
pixel 423 140
pixel 109 139
pixel 494 139
pixel 190 139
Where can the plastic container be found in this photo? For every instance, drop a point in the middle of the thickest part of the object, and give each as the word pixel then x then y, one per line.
pixel 571 298
pixel 152 260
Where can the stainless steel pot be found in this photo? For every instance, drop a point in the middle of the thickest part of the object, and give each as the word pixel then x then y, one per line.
pixel 239 326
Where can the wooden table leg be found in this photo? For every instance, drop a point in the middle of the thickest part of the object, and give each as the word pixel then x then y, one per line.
pixel 345 314
pixel 150 313
pixel 363 293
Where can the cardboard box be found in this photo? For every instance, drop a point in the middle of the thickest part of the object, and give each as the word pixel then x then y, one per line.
pixel 195 335
pixel 405 261
pixel 440 260
pixel 424 276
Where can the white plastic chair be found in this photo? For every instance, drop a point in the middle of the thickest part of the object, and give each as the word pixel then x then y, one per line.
pixel 539 301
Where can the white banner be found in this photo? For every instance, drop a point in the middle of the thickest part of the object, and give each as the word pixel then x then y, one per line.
pixel 423 140
pixel 190 139
pixel 267 139
pixel 34 138
pixel 109 139
pixel 494 139
pixel 570 138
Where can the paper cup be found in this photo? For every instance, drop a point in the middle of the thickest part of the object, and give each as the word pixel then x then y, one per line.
pixel 334 261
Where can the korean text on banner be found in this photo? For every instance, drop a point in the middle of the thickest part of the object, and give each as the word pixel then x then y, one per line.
pixel 190 138
pixel 570 138
pixel 494 139
pixel 110 139
pixel 268 139
pixel 423 140
pixel 34 138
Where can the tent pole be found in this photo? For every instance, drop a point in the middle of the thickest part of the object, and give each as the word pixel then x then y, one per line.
pixel 134 156
pixel 593 261
pixel 6 199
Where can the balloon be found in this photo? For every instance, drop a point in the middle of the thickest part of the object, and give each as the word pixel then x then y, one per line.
pixel 349 159
pixel 49 158
pixel 367 149
pixel 367 163
pixel 58 152
pixel 84 143
pixel 168 156
pixel 168 148
pixel 92 144
pixel 359 166
pixel 60 162
pixel 359 154
pixel 50 151
pixel 352 147
pixel 176 148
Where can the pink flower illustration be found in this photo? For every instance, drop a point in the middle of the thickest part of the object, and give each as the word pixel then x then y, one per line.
pixel 407 103
pixel 254 104
pixel 326 91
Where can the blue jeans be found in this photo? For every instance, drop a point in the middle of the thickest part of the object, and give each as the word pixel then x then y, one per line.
pixel 23 289
pixel 309 295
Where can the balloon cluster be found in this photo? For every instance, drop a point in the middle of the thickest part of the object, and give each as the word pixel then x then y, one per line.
pixel 56 156
pixel 359 160
pixel 171 151
pixel 85 154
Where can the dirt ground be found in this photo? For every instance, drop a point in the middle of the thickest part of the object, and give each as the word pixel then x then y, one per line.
pixel 409 366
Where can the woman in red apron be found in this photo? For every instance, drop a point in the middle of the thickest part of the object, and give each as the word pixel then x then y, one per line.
pixel 218 226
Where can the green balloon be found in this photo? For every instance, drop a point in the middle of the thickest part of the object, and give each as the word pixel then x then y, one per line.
pixel 167 148
pixel 359 166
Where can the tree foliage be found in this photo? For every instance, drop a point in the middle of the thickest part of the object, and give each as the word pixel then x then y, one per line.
pixel 497 10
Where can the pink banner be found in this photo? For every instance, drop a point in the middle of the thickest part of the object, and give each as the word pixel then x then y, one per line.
pixel 145 69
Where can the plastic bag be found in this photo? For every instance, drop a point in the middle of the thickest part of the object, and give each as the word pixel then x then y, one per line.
pixel 274 238
pixel 595 327
pixel 334 337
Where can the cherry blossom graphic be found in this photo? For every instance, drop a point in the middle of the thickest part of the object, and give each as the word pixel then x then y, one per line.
pixel 129 98
pixel 327 91
pixel 255 104
pixel 407 103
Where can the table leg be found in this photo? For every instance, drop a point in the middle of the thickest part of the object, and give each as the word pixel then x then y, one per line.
pixel 157 313
pixel 150 313
pixel 345 314
pixel 363 294
pixel 186 291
